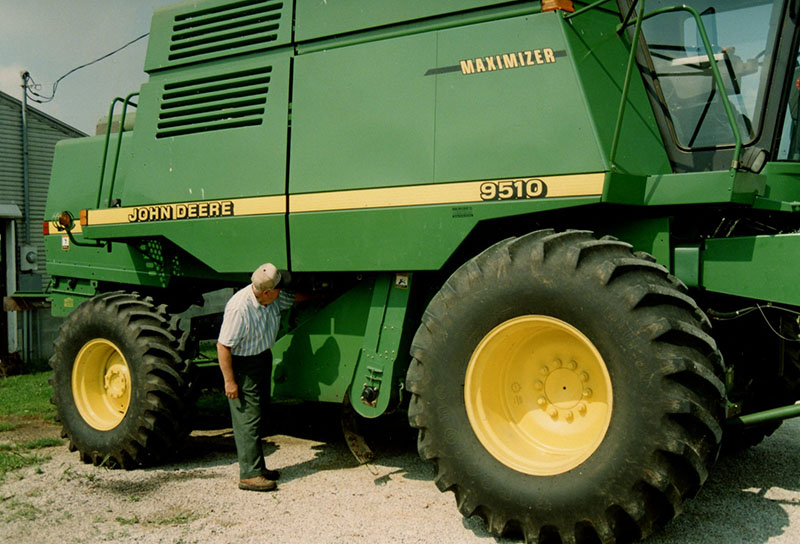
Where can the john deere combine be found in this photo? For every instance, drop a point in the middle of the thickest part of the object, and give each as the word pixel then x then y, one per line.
pixel 579 221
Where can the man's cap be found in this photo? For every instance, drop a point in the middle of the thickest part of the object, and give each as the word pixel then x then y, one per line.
pixel 266 277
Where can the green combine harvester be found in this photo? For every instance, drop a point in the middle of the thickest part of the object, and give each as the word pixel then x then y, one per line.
pixel 559 235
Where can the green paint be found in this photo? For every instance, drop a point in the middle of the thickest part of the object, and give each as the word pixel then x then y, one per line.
pixel 322 19
pixel 753 266
pixel 316 360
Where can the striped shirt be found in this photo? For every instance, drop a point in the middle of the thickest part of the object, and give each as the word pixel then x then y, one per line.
pixel 249 328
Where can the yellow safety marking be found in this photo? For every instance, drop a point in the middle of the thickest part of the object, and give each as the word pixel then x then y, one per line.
pixel 523 188
pixel 233 207
pixel 450 193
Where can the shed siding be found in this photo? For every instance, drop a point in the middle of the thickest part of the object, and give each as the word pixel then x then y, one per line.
pixel 36 340
pixel 43 133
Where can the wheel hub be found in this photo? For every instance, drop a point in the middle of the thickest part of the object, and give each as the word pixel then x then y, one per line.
pixel 116 383
pixel 101 384
pixel 538 395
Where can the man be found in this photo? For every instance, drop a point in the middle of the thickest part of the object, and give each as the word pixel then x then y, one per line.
pixel 249 327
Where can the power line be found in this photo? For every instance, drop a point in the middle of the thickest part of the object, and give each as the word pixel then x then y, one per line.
pixel 31 88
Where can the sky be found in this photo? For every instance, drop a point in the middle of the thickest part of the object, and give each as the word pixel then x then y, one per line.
pixel 50 37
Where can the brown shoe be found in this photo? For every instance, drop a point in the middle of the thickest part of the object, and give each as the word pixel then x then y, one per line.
pixel 271 474
pixel 259 483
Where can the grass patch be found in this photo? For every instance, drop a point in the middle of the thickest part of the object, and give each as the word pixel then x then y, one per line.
pixel 179 517
pixel 14 460
pixel 39 443
pixel 6 426
pixel 27 395
pixel 17 456
pixel 20 510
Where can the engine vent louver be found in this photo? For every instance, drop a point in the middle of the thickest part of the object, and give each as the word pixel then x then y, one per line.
pixel 228 29
pixel 211 103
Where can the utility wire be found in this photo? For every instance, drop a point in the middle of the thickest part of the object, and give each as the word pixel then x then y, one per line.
pixel 41 99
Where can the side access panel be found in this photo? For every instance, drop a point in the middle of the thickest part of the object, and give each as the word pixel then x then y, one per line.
pixel 394 140
pixel 209 163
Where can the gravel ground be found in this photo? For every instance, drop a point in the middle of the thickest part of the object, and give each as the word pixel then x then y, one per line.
pixel 324 496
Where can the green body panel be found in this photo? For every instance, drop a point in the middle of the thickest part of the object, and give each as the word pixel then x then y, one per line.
pixel 482 133
pixel 351 342
pixel 680 189
pixel 703 188
pixel 757 267
pixel 451 126
pixel 192 32
pixel 686 264
pixel 600 58
pixel 316 19
pixel 377 240
pixel 316 360
pixel 782 193
pixel 225 245
pixel 649 234
pixel 381 363
pixel 345 98
pixel 196 156
pixel 66 295
pixel 75 178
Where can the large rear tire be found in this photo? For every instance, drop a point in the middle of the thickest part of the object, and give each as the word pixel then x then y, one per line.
pixel 119 383
pixel 566 388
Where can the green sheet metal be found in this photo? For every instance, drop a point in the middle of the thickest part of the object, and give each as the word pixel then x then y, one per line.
pixel 757 267
pixel 599 55
pixel 363 116
pixel 703 188
pixel 381 363
pixel 316 360
pixel 318 19
pixel 191 32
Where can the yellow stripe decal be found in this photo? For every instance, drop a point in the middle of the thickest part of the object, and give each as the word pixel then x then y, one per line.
pixel 450 193
pixel 188 210
pixel 358 199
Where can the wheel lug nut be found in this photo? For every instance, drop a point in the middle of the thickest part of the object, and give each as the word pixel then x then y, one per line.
pixel 538 385
pixel 557 363
pixel 584 376
pixel 544 369
pixel 541 401
pixel 587 393
pixel 573 365
pixel 569 416
pixel 582 408
pixel 552 412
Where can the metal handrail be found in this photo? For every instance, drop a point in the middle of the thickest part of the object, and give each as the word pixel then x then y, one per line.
pixel 125 101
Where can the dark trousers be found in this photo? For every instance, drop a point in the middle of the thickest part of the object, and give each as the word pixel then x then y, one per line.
pixel 253 376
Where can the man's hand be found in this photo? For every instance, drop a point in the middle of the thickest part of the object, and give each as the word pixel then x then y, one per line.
pixel 226 366
pixel 231 390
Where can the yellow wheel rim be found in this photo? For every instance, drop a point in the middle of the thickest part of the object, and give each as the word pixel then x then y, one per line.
pixel 538 395
pixel 101 384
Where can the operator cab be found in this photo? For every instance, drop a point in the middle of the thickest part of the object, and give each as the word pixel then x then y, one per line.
pixel 755 46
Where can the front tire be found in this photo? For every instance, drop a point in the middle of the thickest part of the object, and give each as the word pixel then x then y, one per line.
pixel 566 388
pixel 119 383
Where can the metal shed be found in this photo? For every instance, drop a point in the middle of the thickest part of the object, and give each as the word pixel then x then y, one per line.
pixel 26 330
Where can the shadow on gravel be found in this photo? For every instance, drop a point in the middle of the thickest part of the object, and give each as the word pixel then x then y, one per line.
pixel 149 484
pixel 390 437
pixel 745 497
